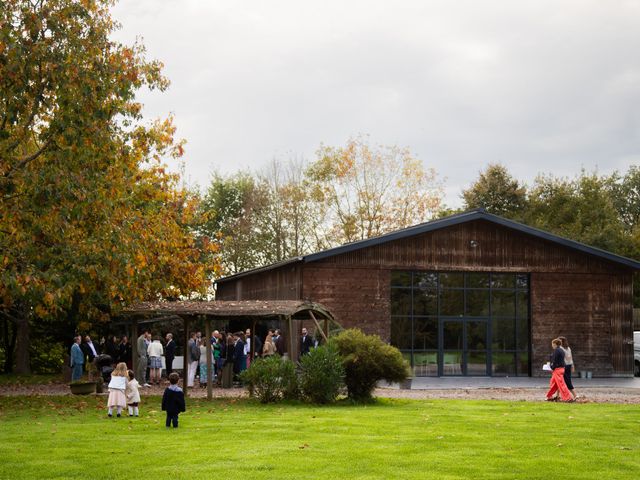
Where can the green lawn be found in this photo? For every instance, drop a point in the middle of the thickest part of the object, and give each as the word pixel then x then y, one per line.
pixel 71 437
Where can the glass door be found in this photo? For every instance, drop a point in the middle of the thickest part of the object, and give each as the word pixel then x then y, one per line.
pixel 452 347
pixel 464 347
pixel 476 357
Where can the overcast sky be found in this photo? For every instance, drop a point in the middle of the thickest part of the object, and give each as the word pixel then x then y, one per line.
pixel 540 86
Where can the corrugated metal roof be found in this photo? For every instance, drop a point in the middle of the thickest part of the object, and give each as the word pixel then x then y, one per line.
pixel 469 216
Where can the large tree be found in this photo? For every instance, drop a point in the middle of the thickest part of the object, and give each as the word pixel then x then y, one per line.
pixel 292 218
pixel 498 192
pixel 581 208
pixel 370 190
pixel 89 217
pixel 230 214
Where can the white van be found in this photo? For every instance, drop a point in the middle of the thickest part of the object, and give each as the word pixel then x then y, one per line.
pixel 636 354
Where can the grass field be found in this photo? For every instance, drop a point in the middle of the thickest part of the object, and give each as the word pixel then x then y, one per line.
pixel 71 437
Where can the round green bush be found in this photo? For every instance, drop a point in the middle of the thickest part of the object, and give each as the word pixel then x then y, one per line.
pixel 321 375
pixel 367 360
pixel 270 379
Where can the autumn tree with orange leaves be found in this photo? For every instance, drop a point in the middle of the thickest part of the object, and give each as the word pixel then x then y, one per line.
pixel 371 190
pixel 90 219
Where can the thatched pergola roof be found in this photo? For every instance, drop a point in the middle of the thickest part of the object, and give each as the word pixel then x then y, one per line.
pixel 241 308
pixel 286 311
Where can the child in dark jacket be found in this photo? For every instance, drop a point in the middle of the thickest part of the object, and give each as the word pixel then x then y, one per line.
pixel 173 401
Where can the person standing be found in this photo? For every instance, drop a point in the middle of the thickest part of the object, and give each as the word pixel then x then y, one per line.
pixel 193 354
pixel 117 388
pixel 141 346
pixel 170 352
pixel 124 352
pixel 111 349
pixel 257 346
pixel 239 357
pixel 557 376
pixel 147 342
pixel 133 394
pixel 90 349
pixel 568 365
pixel 228 362
pixel 279 343
pixel 217 350
pixel 306 343
pixel 77 359
pixel 202 364
pixel 155 352
pixel 173 400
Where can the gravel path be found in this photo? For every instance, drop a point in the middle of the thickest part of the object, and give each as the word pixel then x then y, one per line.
pixel 585 395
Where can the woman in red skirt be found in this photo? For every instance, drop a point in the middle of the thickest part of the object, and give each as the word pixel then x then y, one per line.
pixel 557 376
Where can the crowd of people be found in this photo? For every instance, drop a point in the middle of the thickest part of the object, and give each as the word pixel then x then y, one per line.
pixel 231 354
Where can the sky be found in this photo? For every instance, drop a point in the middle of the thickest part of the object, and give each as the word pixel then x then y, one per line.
pixel 538 86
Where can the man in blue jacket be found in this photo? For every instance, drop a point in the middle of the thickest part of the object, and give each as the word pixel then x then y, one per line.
pixel 77 359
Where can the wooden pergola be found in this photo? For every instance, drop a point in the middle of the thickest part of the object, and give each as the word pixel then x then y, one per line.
pixel 286 311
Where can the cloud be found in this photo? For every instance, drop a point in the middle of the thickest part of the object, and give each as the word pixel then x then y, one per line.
pixel 538 86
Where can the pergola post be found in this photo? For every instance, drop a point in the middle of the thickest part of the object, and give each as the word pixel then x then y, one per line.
pixel 134 345
pixel 291 344
pixel 313 317
pixel 207 327
pixel 185 360
pixel 252 353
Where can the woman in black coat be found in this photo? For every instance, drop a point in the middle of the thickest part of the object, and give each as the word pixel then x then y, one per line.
pixel 239 357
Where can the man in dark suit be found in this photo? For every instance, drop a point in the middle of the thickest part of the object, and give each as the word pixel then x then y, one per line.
pixel 90 349
pixel 279 343
pixel 170 353
pixel 306 343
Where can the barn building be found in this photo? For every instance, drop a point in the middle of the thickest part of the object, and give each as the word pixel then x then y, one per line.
pixel 472 294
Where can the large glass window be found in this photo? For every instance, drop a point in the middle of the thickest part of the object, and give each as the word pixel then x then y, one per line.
pixel 462 323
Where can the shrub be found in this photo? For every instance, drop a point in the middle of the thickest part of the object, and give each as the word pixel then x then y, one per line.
pixel 321 375
pixel 47 355
pixel 270 379
pixel 367 360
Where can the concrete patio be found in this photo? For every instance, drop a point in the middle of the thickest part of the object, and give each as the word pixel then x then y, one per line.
pixel 454 383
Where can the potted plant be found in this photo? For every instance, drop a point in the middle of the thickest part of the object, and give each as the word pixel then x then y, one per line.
pixel 83 387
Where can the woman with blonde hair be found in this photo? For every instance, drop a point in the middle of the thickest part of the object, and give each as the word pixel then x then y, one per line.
pixel 117 387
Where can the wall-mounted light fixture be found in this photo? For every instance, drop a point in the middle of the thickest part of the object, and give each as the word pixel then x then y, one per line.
pixel 473 244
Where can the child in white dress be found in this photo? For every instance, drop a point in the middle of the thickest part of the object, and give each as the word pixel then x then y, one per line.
pixel 132 394
pixel 117 387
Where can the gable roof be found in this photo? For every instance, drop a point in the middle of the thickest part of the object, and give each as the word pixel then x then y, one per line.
pixel 464 217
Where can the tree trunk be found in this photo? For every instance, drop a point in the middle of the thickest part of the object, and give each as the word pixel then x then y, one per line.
pixel 23 362
pixel 9 343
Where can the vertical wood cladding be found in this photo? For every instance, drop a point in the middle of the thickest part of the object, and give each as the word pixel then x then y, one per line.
pixel 357 297
pixel 496 248
pixel 622 323
pixel 583 297
pixel 577 307
pixel 277 284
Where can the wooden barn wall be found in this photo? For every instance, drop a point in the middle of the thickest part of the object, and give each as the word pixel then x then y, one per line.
pixel 622 324
pixel 357 297
pixel 579 307
pixel 278 284
pixel 497 249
